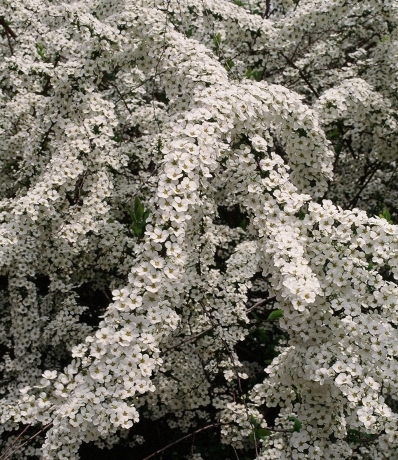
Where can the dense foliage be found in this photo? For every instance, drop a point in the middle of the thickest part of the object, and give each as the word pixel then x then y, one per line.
pixel 198 249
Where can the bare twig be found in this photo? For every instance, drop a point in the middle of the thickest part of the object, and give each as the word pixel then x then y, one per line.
pixel 121 97
pixel 190 338
pixel 261 302
pixel 16 440
pixel 302 74
pixel 364 184
pixel 215 323
pixel 207 427
pixel 6 457
pixel 106 295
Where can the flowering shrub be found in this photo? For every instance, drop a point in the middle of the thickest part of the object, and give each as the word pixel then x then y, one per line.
pixel 189 230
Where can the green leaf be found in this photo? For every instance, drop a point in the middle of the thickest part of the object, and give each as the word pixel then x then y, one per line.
pixel 385 214
pixel 131 213
pixel 136 230
pixel 253 421
pixel 40 50
pixel 255 315
pixel 258 432
pixel 333 134
pixel 262 433
pixel 252 439
pixel 138 209
pixel 248 73
pixel 229 64
pixel 370 266
pixel 262 335
pixel 138 218
pixel 257 75
pixel 274 315
pixel 358 436
pixel 145 216
pixel 301 214
pixel 297 424
pixel 243 223
pixel 217 40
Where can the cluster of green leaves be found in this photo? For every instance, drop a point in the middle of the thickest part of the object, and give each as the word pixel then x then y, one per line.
pixel 217 41
pixel 40 50
pixel 258 433
pixel 296 423
pixel 228 63
pixel 256 75
pixel 138 216
pixel 358 437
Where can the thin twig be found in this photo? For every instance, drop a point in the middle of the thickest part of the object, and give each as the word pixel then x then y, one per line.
pixel 26 442
pixel 207 427
pixel 190 338
pixel 16 440
pixel 302 74
pixel 364 184
pixel 121 97
pixel 230 352
pixel 106 295
pixel 261 302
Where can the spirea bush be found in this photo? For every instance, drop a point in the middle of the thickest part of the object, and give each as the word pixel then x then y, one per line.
pixel 198 251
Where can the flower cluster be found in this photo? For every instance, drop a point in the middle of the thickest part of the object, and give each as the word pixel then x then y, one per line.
pixel 186 232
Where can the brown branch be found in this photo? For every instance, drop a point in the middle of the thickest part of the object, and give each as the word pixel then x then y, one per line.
pixel 267 9
pixel 7 28
pixel 10 44
pixel 9 33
